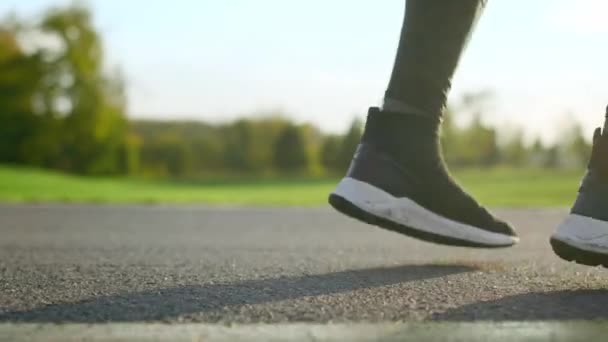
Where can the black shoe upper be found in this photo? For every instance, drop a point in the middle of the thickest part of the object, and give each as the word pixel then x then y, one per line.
pixel 412 166
pixel 592 200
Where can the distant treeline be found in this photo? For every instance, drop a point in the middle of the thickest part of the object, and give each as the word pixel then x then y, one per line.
pixel 274 145
pixel 267 146
pixel 60 109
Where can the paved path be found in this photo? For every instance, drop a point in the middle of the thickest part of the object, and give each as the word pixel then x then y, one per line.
pixel 90 264
pixel 582 331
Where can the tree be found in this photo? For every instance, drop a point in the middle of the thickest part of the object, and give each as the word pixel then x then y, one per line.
pixel 514 152
pixel 551 159
pixel 577 149
pixel 57 106
pixel 474 144
pixel 20 79
pixel 239 138
pixel 330 151
pixel 290 152
pixel 168 155
pixel 481 143
pixel 90 103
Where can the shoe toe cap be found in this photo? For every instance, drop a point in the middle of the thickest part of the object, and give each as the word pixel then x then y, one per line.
pixel 505 228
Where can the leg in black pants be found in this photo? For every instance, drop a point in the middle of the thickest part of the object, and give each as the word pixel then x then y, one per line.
pixel 397 179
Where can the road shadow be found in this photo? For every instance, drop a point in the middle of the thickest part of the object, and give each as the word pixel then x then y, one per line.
pixel 556 305
pixel 167 303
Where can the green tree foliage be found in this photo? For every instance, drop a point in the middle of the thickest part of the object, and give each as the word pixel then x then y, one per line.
pixel 237 152
pixel 290 152
pixel 514 151
pixel 176 149
pixel 575 146
pixel 244 146
pixel 91 103
pixel 249 145
pixel 167 155
pixel 472 144
pixel 551 159
pixel 58 108
pixel 330 152
pixel 475 144
pixel 20 79
pixel 481 145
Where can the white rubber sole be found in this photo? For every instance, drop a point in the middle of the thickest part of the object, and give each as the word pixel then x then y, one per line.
pixel 406 212
pixel 584 233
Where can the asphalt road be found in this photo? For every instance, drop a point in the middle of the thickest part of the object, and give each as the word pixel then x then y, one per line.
pixel 90 264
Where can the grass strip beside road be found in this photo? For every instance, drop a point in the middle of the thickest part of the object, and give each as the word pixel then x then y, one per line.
pixel 494 187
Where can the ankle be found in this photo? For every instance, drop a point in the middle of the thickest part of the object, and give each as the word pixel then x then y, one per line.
pixel 401 130
pixel 411 140
pixel 393 105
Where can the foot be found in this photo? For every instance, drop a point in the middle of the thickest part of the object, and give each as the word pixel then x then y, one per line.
pixel 583 236
pixel 413 194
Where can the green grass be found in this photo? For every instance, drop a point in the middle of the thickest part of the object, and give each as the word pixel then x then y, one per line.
pixel 495 187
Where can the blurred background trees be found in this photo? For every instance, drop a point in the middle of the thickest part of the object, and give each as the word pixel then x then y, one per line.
pixel 60 108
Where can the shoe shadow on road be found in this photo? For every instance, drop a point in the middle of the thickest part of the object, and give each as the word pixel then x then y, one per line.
pixel 555 305
pixel 170 303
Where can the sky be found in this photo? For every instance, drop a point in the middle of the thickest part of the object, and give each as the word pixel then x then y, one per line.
pixel 325 62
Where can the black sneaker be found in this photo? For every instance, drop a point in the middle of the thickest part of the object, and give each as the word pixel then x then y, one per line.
pixel 583 236
pixel 415 198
